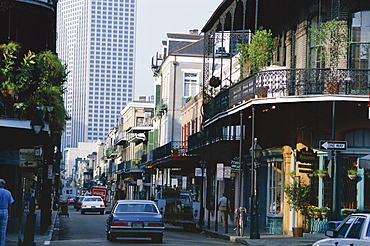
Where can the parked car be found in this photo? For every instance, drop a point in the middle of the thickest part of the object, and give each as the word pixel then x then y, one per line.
pixel 78 202
pixel 71 199
pixel 135 218
pixel 92 204
pixel 354 230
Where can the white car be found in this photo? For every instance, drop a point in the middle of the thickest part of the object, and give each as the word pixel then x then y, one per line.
pixel 354 230
pixel 92 204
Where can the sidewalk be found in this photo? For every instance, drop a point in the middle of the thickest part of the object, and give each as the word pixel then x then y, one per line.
pixel 14 235
pixel 266 239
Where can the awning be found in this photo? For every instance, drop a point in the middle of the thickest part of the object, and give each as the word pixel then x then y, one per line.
pixel 365 162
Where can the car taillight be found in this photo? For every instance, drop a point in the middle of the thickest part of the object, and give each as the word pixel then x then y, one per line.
pixel 102 206
pixel 155 224
pixel 117 223
pixel 84 206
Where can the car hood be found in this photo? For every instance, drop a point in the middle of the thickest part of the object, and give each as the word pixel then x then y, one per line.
pixel 137 217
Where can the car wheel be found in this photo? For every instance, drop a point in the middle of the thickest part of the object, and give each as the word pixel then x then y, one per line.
pixel 157 239
pixel 101 212
pixel 82 212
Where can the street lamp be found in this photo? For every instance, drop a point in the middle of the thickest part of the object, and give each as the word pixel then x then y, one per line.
pixel 201 215
pixel 255 152
pixel 37 124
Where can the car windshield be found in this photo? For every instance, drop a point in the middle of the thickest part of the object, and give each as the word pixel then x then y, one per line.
pixel 136 208
pixel 92 199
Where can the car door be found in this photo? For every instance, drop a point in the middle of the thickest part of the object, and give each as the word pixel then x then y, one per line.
pixel 352 233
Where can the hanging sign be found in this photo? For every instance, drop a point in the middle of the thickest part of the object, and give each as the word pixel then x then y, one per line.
pixel 220 171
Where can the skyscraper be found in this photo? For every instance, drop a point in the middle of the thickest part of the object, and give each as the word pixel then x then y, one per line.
pixel 96 39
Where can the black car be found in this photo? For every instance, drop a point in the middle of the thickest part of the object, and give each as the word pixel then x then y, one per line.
pixel 77 203
pixel 135 218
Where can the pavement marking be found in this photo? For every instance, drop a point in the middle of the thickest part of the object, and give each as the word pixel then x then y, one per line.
pixel 47 243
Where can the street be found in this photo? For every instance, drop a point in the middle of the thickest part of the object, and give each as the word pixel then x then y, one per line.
pixel 86 229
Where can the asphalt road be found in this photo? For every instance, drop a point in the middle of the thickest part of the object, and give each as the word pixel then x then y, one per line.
pixel 89 229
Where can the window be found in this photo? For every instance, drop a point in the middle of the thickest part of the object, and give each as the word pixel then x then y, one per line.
pixel 360 40
pixel 275 188
pixel 315 61
pixel 191 87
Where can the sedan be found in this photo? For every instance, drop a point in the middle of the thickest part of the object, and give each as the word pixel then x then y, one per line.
pixel 92 204
pixel 135 218
pixel 354 230
pixel 78 202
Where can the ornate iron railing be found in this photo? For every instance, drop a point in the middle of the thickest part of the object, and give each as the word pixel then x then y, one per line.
pixel 291 82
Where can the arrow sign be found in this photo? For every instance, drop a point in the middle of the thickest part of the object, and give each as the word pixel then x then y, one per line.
pixel 332 145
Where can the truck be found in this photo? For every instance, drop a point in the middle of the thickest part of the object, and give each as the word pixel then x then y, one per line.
pixel 68 193
pixel 100 191
pixel 178 208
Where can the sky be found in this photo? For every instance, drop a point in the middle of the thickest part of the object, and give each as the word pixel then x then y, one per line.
pixel 155 18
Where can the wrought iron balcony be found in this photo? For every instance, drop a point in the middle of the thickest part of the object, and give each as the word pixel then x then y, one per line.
pixel 291 82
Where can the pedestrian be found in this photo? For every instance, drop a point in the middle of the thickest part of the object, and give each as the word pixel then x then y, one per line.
pixel 224 207
pixel 6 201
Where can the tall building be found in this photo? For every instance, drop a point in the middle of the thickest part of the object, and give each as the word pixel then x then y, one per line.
pixel 96 39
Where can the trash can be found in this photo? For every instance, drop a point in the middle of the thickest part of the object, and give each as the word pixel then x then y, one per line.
pixel 63 209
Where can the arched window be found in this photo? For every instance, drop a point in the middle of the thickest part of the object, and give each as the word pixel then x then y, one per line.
pixel 360 40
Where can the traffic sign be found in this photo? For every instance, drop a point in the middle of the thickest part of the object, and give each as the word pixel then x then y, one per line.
pixel 332 145
pixel 27 158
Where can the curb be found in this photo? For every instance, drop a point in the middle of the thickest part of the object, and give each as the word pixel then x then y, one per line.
pixel 226 237
pixel 52 226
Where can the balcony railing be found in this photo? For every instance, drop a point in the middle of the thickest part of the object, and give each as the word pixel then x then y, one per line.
pixel 291 82
pixel 173 148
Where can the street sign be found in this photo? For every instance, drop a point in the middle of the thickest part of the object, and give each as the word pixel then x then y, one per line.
pixel 27 158
pixel 332 145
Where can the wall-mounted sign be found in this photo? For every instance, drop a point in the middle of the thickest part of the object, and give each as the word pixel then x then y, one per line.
pixel 306 156
pixel 220 171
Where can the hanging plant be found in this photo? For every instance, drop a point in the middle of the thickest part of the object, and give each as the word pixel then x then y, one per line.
pixel 215 81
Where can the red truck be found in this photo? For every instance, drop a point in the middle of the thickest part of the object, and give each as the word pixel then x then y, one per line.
pixel 100 191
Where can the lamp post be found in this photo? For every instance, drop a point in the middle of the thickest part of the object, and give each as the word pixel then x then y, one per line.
pixel 37 124
pixel 255 152
pixel 201 214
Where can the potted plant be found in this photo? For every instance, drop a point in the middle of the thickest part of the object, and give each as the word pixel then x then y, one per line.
pixel 298 196
pixel 293 174
pixel 332 41
pixel 258 53
pixel 175 151
pixel 215 81
pixel 352 174
pixel 311 210
pixel 320 173
pixel 324 211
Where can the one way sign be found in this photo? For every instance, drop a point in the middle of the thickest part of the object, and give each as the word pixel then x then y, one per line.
pixel 332 145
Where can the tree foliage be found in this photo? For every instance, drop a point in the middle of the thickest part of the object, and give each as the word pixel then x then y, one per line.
pixel 332 39
pixel 259 51
pixel 35 80
pixel 298 194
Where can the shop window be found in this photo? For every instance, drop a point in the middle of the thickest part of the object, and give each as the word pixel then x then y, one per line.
pixel 275 188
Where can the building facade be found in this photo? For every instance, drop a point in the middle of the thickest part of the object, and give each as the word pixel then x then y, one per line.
pixel 96 40
pixel 294 108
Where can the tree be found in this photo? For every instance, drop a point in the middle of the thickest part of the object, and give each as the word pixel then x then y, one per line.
pixel 258 52
pixel 37 80
pixel 332 39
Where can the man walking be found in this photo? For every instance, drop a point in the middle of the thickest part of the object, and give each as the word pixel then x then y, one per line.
pixel 6 201
pixel 223 207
